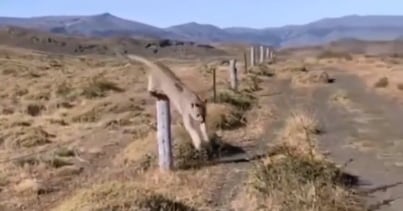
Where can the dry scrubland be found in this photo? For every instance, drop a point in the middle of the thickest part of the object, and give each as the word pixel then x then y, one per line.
pixel 380 72
pixel 78 133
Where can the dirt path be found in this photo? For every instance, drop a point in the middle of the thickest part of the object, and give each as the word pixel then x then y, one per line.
pixel 371 124
pixel 375 122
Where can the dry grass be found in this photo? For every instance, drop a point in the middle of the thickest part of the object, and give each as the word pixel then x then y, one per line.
pixel 295 175
pixel 224 117
pixel 381 83
pixel 289 68
pixel 27 137
pixel 335 55
pixel 51 102
pixel 362 145
pixel 80 121
pixel 34 109
pixel 99 86
pixel 311 78
pixel 241 101
pixel 251 83
pixel 119 196
pixel 292 182
pixel 341 98
pixel 262 70
pixel 299 133
pixel 140 152
pixel 187 157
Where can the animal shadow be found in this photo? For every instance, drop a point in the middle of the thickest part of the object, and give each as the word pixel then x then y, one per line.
pixel 219 149
pixel 215 153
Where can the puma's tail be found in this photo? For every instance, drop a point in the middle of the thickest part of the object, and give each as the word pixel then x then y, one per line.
pixel 154 66
pixel 143 60
pixel 137 58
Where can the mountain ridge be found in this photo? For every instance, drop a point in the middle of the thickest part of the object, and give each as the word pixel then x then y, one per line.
pixel 361 27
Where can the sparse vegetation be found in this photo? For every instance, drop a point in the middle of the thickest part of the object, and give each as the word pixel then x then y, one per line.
pixel 98 88
pixel 341 98
pixel 29 137
pixel 119 196
pixel 64 89
pixel 262 70
pixel 58 161
pixel 334 55
pixel 251 83
pixel 299 133
pixel 239 100
pixel 35 109
pixel 381 83
pixel 3 179
pixel 221 116
pixel 292 182
pixel 93 114
pixel 312 77
pixel 87 126
pixel 141 152
pixel 295 176
pixel 186 157
pixel 9 71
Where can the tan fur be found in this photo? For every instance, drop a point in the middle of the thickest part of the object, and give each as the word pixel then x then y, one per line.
pixel 162 81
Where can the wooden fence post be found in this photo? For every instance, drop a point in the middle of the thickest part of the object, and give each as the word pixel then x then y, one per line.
pixel 261 54
pixel 164 134
pixel 245 60
pixel 268 53
pixel 233 74
pixel 252 56
pixel 214 86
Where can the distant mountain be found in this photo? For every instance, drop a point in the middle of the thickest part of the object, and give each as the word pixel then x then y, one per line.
pixel 322 31
pixel 201 32
pixel 102 25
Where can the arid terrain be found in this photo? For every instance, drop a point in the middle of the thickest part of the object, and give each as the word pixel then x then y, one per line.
pixel 312 129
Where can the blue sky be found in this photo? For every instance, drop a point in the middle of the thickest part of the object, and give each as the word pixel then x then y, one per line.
pixel 224 13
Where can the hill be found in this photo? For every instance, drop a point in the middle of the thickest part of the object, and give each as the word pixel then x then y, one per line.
pixel 59 43
pixel 371 27
pixel 100 25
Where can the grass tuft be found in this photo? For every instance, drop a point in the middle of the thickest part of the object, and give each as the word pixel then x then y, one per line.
pixel 334 55
pixel 119 196
pixel 187 157
pixel 381 83
pixel 340 97
pixel 293 182
pixel 224 117
pixel 30 137
pixel 99 87
pixel 299 133
pixel 241 101
pixel 295 176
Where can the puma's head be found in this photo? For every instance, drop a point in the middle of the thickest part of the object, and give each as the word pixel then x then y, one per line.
pixel 198 110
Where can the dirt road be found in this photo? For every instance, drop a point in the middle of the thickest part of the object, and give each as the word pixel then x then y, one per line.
pixel 365 131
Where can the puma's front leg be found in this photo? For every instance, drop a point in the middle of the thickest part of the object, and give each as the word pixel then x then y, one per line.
pixel 204 134
pixel 192 131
